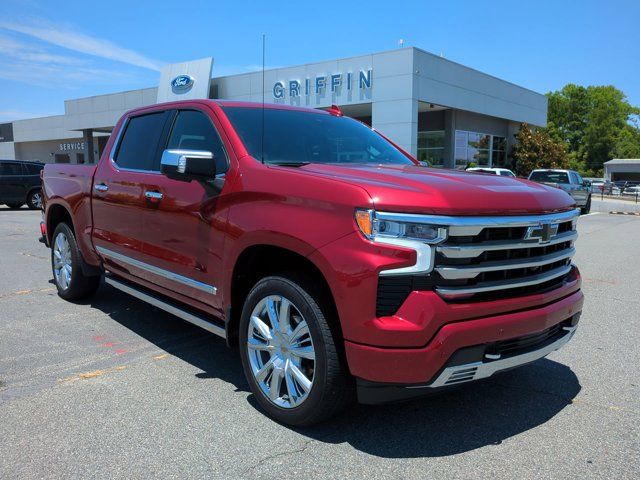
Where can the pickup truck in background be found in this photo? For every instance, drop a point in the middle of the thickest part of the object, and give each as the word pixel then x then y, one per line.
pixel 337 264
pixel 568 180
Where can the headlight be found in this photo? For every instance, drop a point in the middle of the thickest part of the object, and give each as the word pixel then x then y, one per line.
pixel 404 230
pixel 379 226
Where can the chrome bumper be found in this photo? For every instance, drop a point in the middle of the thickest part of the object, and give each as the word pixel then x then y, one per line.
pixel 477 370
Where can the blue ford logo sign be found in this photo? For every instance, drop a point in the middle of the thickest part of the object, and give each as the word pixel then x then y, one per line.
pixel 182 83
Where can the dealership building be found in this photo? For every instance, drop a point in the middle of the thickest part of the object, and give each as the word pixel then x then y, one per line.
pixel 438 110
pixel 621 169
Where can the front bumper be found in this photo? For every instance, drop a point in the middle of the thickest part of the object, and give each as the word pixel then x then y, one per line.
pixel 456 373
pixel 430 365
pixel 467 372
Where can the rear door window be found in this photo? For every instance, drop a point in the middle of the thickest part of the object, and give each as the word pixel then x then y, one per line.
pixel 193 130
pixel 139 146
pixel 11 169
pixel 574 178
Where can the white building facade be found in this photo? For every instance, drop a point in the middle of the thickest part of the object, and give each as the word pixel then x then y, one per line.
pixel 438 110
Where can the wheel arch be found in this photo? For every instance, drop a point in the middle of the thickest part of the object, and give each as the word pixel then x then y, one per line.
pixel 56 214
pixel 33 189
pixel 262 260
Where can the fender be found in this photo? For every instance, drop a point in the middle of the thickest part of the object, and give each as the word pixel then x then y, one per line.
pixel 93 266
pixel 252 239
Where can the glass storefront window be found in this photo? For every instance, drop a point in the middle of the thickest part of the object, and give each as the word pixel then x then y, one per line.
pixel 499 159
pixel 482 158
pixel 479 148
pixel 431 147
pixel 499 143
pixel 462 139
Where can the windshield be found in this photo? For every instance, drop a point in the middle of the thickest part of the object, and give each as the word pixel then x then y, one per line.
pixel 549 176
pixel 298 137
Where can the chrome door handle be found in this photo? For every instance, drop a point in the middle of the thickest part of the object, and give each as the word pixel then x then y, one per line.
pixel 153 195
pixel 100 187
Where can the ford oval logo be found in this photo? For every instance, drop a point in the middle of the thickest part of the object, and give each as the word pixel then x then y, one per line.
pixel 182 83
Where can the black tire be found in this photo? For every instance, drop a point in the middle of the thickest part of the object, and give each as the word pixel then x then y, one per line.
pixel 587 208
pixel 34 199
pixel 14 206
pixel 332 386
pixel 79 285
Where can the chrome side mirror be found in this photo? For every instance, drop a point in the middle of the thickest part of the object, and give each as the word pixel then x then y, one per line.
pixel 188 164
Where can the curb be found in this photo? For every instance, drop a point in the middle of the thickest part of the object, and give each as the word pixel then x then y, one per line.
pixel 637 214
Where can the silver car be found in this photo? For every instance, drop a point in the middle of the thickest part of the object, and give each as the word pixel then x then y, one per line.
pixel 568 180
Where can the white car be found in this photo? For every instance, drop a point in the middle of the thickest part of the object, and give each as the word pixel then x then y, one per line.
pixel 635 191
pixel 503 172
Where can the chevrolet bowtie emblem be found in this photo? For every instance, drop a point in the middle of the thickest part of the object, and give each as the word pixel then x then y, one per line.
pixel 542 232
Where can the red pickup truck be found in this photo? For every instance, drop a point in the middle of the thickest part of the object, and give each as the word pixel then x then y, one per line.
pixel 333 260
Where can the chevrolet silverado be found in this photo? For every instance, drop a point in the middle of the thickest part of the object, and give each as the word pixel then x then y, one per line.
pixel 338 265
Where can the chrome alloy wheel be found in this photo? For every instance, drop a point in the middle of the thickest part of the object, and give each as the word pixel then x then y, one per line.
pixel 37 200
pixel 62 264
pixel 281 351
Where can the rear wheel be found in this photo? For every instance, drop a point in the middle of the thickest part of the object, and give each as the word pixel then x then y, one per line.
pixel 34 200
pixel 289 355
pixel 587 208
pixel 66 263
pixel 15 205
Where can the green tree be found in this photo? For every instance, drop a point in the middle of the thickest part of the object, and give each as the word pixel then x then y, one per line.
pixel 596 122
pixel 567 114
pixel 627 144
pixel 537 149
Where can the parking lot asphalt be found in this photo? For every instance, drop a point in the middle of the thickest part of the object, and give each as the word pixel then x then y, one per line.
pixel 113 388
pixel 613 204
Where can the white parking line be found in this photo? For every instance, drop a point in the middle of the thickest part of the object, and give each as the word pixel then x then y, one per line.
pixel 592 213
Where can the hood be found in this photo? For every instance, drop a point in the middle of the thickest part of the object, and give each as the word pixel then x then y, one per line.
pixel 416 189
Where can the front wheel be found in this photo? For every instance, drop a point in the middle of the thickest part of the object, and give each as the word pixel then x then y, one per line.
pixel 289 355
pixel 15 205
pixel 66 263
pixel 587 207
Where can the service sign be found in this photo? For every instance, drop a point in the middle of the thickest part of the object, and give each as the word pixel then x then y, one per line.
pixel 71 147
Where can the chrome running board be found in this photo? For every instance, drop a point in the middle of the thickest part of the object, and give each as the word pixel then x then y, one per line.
pixel 156 301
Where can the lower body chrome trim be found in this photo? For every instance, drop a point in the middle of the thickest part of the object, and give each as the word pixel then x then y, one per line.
pixel 167 307
pixel 190 282
pixel 477 370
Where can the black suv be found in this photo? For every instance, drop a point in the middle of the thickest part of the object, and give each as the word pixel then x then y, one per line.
pixel 20 183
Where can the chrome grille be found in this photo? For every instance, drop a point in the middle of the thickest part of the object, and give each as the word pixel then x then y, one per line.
pixel 506 254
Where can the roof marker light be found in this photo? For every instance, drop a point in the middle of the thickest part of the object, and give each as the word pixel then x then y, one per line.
pixel 335 110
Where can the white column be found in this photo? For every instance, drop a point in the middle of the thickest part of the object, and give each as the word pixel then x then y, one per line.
pixel 7 150
pixel 398 120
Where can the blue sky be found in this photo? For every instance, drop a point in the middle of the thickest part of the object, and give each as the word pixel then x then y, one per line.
pixel 52 51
